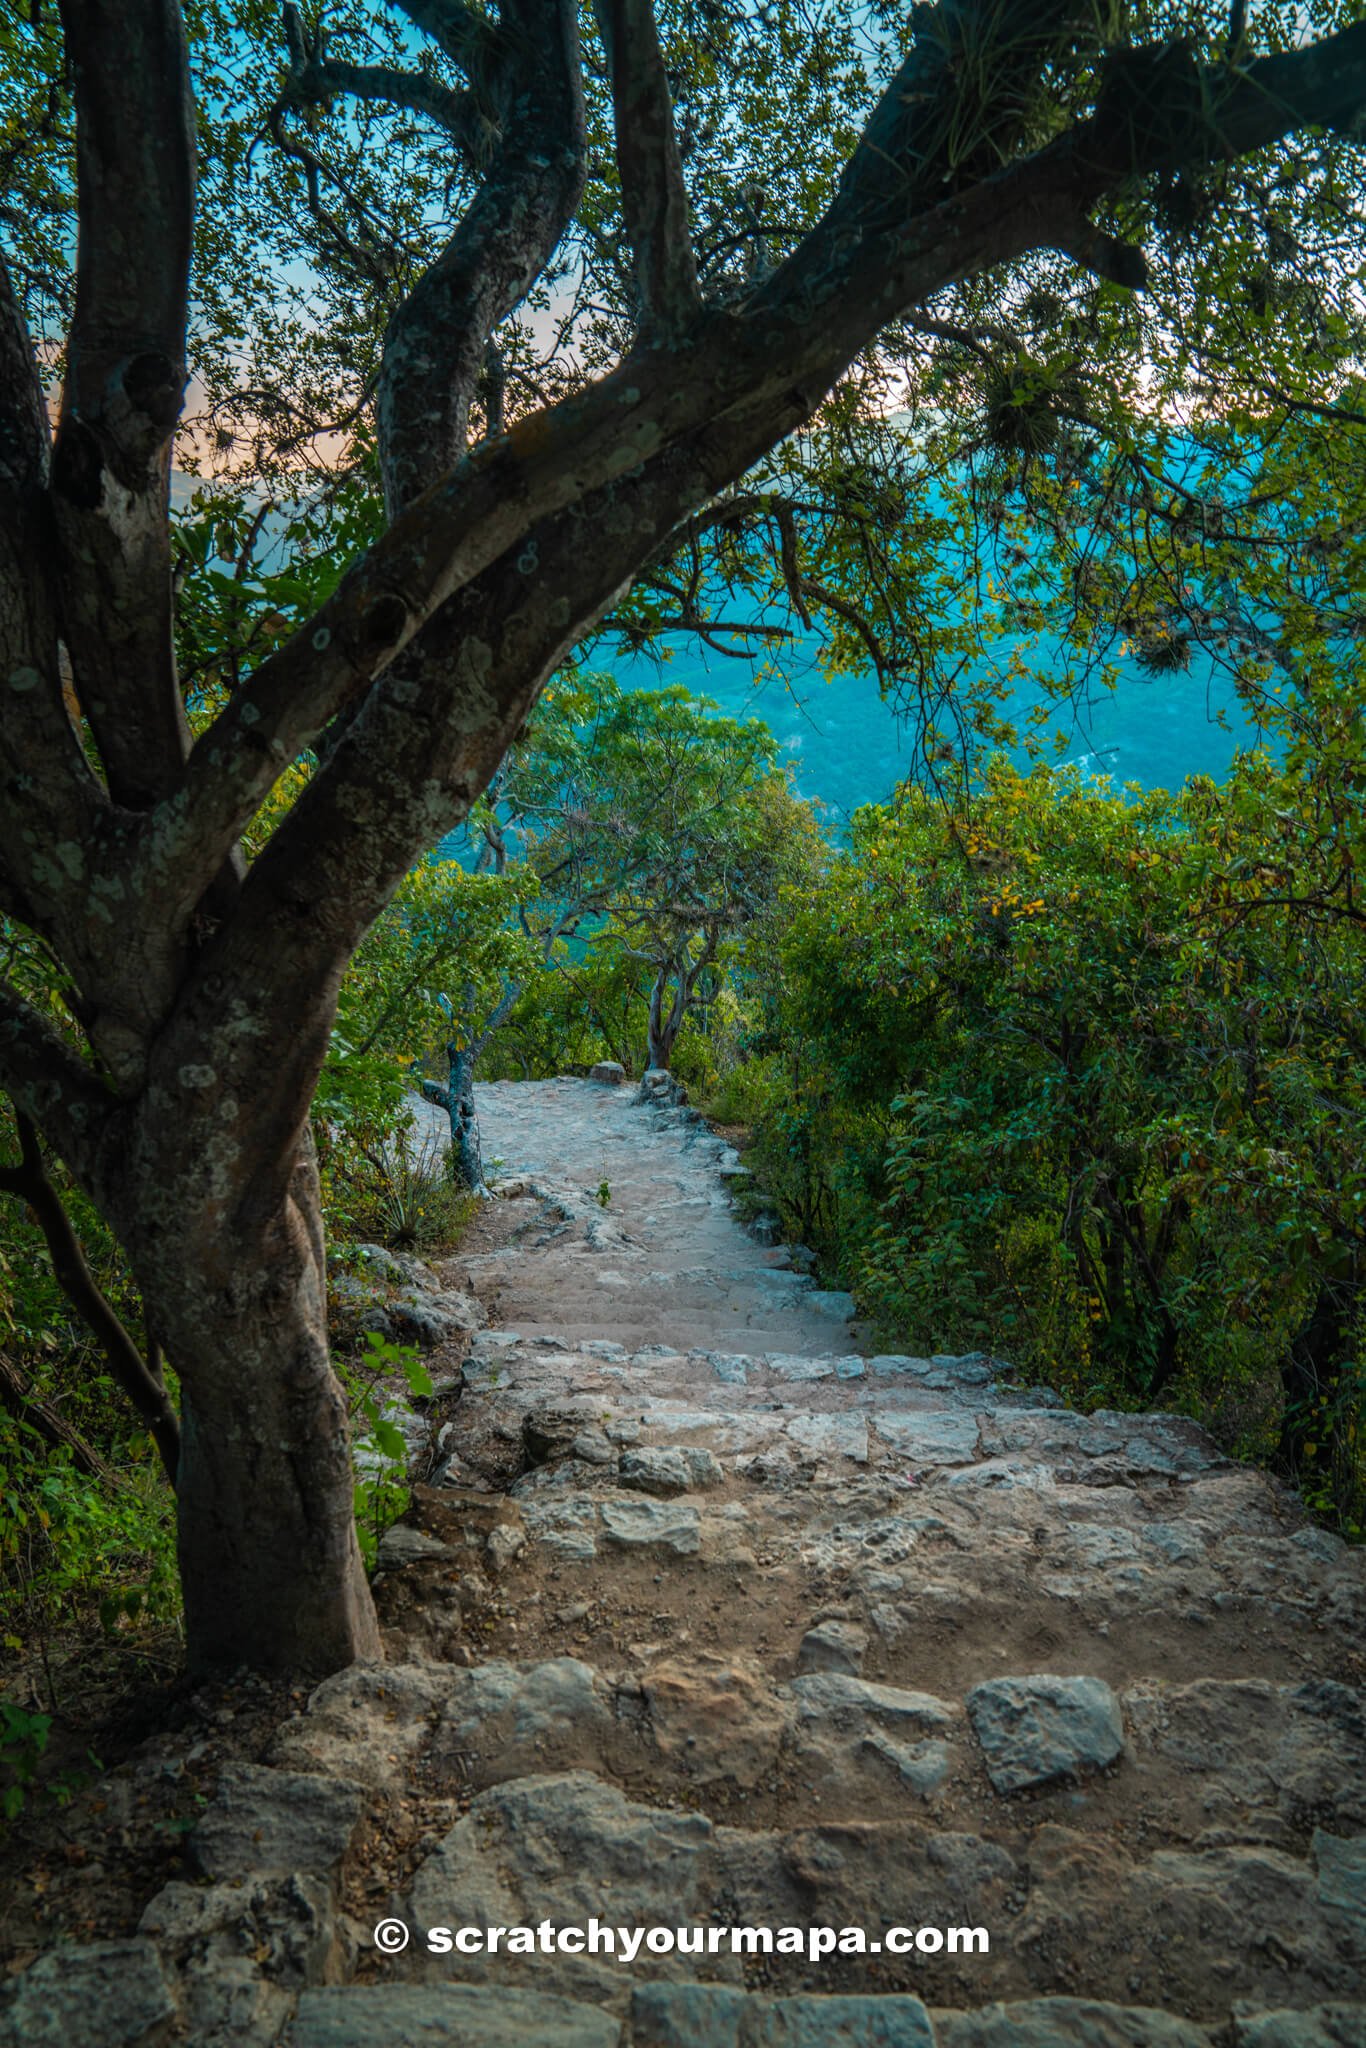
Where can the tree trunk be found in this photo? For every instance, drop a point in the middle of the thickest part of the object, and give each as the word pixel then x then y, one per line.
pixel 270 1566
pixel 664 1025
pixel 466 1157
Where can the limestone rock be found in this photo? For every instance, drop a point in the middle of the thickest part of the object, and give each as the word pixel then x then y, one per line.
pixel 824 1694
pixel 1319 2026
pixel 1033 1730
pixel 504 1544
pixel 522 1717
pixel 566 1848
pixel 227 2003
pixel 565 1527
pixel 833 1646
pixel 652 1525
pixel 1342 1884
pixel 1065 2023
pixel 106 1994
pixel 658 1086
pixel 713 2016
pixel 669 1471
pixel 550 1435
pixel 925 1768
pixel 403 1545
pixel 362 1724
pixel 432 1318
pixel 267 1823
pixel 288 1925
pixel 933 1436
pixel 716 1716
pixel 447 2016
pixel 608 1073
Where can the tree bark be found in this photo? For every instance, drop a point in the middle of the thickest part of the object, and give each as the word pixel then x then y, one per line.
pixel 466 1159
pixel 664 1024
pixel 270 1566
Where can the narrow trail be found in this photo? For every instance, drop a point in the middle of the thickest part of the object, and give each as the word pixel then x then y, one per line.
pixel 711 1617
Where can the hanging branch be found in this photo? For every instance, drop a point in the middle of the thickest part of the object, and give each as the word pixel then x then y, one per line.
pixel 29 1182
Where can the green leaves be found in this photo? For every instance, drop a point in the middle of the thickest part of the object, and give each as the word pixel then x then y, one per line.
pixel 1075 1075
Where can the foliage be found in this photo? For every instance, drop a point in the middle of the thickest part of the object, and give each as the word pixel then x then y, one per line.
pixel 1075 1076
pixel 76 1549
pixel 379 1450
pixel 23 1739
pixel 655 831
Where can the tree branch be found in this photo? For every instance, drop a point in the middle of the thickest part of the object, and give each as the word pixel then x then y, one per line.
pixel 126 373
pixel 53 1087
pixel 766 367
pixel 49 799
pixel 18 1395
pixel 437 341
pixel 654 198
pixel 315 79
pixel 29 1181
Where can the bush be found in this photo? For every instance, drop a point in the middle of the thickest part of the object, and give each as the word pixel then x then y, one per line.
pixel 1073 1076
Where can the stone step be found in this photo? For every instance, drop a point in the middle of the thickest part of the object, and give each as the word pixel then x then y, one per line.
pixel 1209 1762
pixel 1167 1926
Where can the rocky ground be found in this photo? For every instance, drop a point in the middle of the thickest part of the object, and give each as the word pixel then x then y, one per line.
pixel 707 1615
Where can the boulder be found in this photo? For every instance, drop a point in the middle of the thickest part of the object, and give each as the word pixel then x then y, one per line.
pixel 1036 1729
pixel 267 1823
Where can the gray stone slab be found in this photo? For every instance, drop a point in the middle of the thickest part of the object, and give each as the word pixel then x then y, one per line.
pixel 1317 2026
pixel 712 2016
pixel 447 2016
pixel 105 1994
pixel 652 1525
pixel 670 1470
pixel 824 1693
pixel 1035 1729
pixel 1065 2023
pixel 267 1823
pixel 830 1436
pixel 786 1367
pixel 938 1436
pixel 1341 1863
pixel 833 1646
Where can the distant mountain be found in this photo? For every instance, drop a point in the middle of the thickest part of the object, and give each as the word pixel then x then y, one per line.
pixel 847 747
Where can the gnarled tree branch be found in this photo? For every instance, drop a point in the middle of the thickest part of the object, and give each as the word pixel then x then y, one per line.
pixel 126 372
pixel 435 348
pixel 30 1183
pixel 654 197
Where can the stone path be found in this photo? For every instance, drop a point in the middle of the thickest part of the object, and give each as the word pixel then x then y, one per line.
pixel 712 1617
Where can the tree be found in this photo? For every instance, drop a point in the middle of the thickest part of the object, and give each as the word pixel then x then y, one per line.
pixel 634 823
pixel 196 988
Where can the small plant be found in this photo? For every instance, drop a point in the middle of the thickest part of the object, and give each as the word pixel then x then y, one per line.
pixel 23 1740
pixel 379 1450
pixel 604 1194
